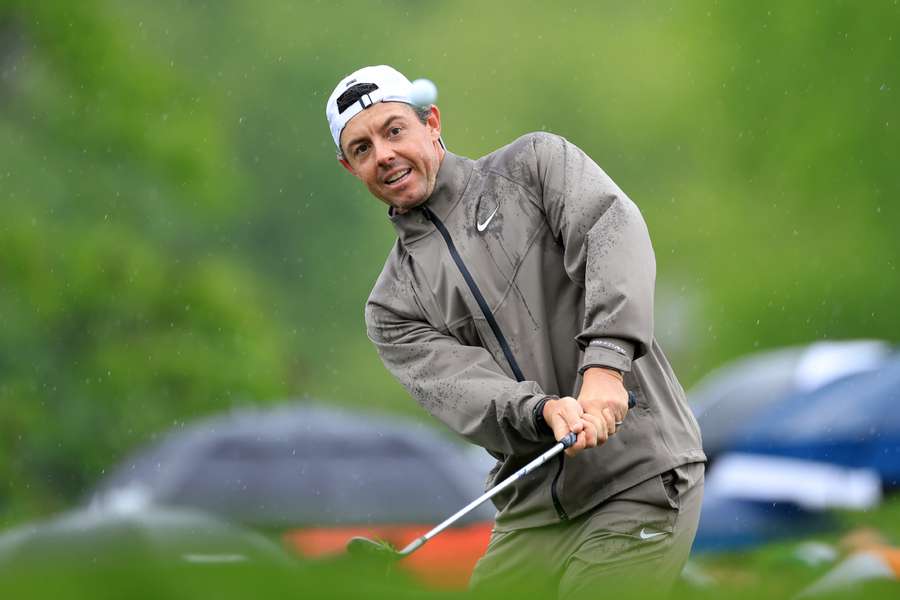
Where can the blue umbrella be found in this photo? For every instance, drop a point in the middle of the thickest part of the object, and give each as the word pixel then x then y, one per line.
pixel 852 422
pixel 746 388
pixel 731 524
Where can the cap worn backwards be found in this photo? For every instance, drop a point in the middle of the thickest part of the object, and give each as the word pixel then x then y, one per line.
pixel 360 90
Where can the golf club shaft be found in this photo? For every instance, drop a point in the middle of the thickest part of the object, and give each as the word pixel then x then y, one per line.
pixel 556 449
pixel 537 462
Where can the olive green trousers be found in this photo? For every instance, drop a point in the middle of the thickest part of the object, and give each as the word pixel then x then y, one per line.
pixel 633 545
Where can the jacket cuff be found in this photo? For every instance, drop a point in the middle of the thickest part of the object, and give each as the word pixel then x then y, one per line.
pixel 540 425
pixel 609 353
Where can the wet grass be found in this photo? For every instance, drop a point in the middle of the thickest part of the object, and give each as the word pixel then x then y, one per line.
pixel 779 570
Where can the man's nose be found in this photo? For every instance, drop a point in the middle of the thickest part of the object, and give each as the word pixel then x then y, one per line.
pixel 384 153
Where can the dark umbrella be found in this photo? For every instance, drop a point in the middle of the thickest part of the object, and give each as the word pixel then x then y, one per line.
pixel 145 552
pixel 853 422
pixel 110 537
pixel 304 464
pixel 744 390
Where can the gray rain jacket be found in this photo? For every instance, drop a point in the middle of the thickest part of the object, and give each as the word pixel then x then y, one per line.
pixel 521 270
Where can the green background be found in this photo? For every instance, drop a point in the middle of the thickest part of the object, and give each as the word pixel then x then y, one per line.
pixel 176 237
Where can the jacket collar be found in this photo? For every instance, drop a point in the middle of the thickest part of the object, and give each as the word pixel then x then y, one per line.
pixel 452 178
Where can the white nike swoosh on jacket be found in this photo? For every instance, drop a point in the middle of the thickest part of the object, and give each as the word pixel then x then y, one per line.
pixel 483 226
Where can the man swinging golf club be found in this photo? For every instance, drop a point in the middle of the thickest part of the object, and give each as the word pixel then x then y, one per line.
pixel 517 307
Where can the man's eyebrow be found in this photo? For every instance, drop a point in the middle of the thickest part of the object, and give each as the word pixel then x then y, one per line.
pixel 390 120
pixel 356 140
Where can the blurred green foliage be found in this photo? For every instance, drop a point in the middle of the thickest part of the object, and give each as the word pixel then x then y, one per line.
pixel 176 236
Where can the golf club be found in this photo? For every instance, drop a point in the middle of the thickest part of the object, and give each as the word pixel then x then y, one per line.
pixel 361 546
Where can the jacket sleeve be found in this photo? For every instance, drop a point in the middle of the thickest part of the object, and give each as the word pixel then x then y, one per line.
pixel 460 385
pixel 607 250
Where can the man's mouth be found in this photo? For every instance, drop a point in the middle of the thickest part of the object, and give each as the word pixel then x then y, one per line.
pixel 397 177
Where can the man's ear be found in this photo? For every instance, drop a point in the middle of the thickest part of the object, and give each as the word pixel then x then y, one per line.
pixel 347 166
pixel 434 121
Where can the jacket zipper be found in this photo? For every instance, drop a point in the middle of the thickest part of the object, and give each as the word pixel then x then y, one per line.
pixel 560 511
pixel 495 328
pixel 479 298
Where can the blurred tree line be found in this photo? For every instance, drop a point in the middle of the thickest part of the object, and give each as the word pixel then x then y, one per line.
pixel 177 238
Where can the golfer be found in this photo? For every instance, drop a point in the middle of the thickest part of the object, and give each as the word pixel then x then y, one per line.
pixel 516 306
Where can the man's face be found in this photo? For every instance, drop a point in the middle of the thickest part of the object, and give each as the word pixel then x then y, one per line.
pixel 393 153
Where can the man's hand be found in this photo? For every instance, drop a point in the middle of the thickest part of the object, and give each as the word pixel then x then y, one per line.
pixel 604 397
pixel 566 415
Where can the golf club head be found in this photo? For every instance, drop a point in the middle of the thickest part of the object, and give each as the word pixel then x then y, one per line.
pixel 361 547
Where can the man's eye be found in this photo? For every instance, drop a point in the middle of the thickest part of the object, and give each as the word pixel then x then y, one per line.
pixel 361 149
pixel 395 131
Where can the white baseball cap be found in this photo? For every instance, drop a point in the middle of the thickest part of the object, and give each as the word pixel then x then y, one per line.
pixel 360 90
